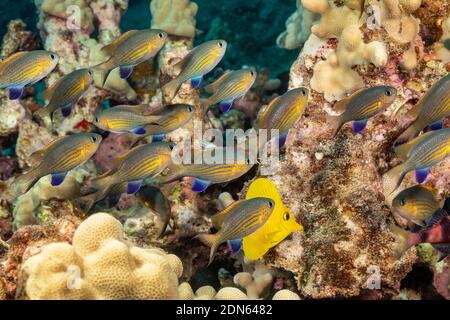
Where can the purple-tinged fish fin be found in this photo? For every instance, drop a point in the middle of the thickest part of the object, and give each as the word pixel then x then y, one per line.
pixel 15 93
pixel 195 82
pixel 359 125
pixel 436 125
pixel 58 178
pixel 235 245
pixel 438 215
pixel 282 140
pixel 225 106
pixel 134 186
pixel 158 137
pixel 66 110
pixel 200 185
pixel 126 71
pixel 422 174
pixel 138 130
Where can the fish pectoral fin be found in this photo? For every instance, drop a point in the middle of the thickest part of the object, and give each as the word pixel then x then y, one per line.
pixel 282 140
pixel 359 125
pixel 134 186
pixel 212 87
pixel 126 71
pixel 15 92
pixel 422 174
pixel 195 82
pixel 110 47
pixel 58 178
pixel 436 125
pixel 138 130
pixel 158 137
pixel 200 185
pixel 235 245
pixel 225 106
pixel 66 110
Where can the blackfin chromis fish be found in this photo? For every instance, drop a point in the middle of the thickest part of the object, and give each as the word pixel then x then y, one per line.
pixel 420 155
pixel 430 111
pixel 437 234
pixel 59 157
pixel 361 106
pixel 280 224
pixel 206 174
pixel 65 93
pixel 201 60
pixel 283 112
pixel 238 220
pixel 131 49
pixel 136 165
pixel 25 68
pixel 229 87
pixel 153 198
pixel 416 204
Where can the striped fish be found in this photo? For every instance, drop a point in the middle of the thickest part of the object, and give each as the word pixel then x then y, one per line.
pixel 201 60
pixel 229 87
pixel 361 106
pixel 283 112
pixel 416 204
pixel 430 111
pixel 238 220
pixel 25 68
pixel 129 50
pixel 208 174
pixel 153 198
pixel 420 155
pixel 65 93
pixel 59 157
pixel 136 165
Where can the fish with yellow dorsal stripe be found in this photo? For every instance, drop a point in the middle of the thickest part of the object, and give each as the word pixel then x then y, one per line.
pixel 420 155
pixel 361 106
pixel 136 165
pixel 25 68
pixel 129 50
pixel 238 220
pixel 430 111
pixel 198 62
pixel 65 93
pixel 229 87
pixel 283 112
pixel 59 157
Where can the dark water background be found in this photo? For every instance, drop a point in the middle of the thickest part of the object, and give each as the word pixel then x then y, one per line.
pixel 250 27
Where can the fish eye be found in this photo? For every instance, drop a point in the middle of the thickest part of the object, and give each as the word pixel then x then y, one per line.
pixel 303 92
pixel 270 203
pixel 96 119
pixel 220 44
pixel 189 109
pixel 170 147
pixel 89 72
pixel 94 139
pixel 248 161
pixel 252 73
pixel 402 202
pixel 53 56
pixel 286 216
pixel 160 35
pixel 388 92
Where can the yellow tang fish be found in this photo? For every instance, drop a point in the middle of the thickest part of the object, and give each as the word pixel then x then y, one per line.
pixel 279 225
pixel 25 68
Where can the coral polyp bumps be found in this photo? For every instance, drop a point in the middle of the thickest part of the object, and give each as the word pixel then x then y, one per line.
pixel 381 65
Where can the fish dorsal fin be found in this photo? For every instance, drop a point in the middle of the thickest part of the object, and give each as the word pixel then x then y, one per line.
pixel 12 57
pixel 140 108
pixel 404 150
pixel 38 154
pixel 263 113
pixel 48 94
pixel 263 187
pixel 212 87
pixel 219 217
pixel 110 47
pixel 341 105
pixel 117 162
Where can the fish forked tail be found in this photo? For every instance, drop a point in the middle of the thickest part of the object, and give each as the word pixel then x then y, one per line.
pixel 24 182
pixel 44 114
pixel 335 122
pixel 87 202
pixel 101 73
pixel 392 179
pixel 211 241
pixel 403 240
pixel 102 185
pixel 171 88
pixel 204 106
pixel 407 135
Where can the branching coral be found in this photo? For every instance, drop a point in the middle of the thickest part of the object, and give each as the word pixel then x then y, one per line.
pixel 101 265
pixel 176 17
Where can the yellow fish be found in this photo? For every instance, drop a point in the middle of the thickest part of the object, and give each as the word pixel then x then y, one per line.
pixel 279 225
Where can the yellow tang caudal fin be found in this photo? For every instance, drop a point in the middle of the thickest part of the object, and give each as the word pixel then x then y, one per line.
pixel 108 49
pixel 212 241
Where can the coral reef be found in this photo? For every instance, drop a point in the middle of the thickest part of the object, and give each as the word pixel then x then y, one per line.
pixel 176 17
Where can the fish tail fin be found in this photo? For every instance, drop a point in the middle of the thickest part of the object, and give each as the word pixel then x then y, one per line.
pixel 171 88
pixel 101 73
pixel 335 122
pixel 404 240
pixel 88 201
pixel 204 105
pixel 211 240
pixel 102 185
pixel 24 182
pixel 44 114
pixel 407 135
pixel 392 179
